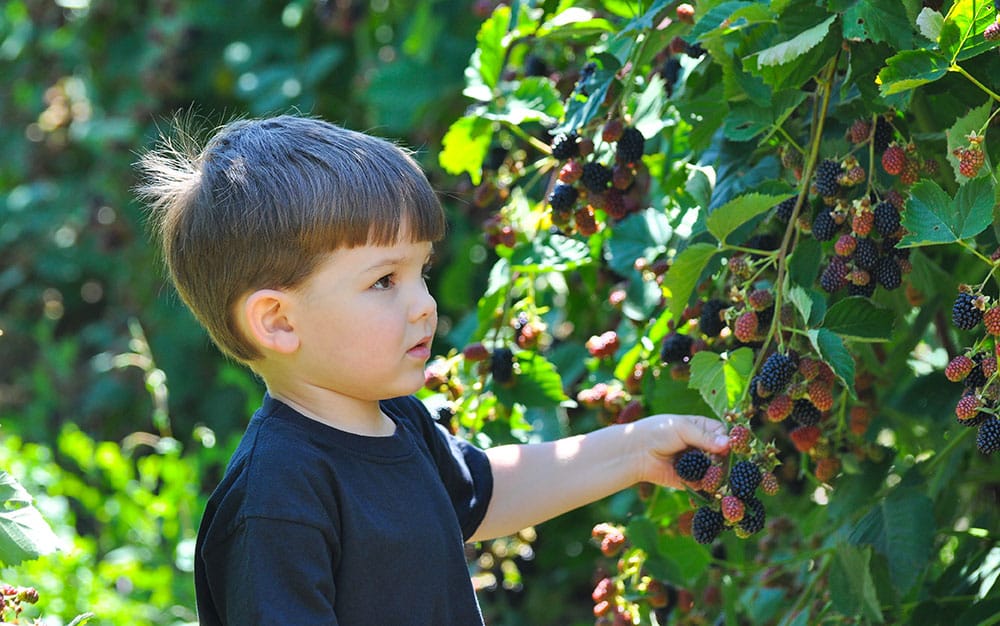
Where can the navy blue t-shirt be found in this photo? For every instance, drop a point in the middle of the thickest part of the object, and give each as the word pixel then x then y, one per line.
pixel 312 525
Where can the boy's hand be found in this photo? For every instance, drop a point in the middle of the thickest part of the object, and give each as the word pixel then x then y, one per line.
pixel 659 438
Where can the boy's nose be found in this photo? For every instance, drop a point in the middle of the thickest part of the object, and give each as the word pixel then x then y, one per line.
pixel 425 305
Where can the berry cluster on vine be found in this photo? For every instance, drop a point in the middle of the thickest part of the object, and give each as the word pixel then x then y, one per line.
pixel 976 368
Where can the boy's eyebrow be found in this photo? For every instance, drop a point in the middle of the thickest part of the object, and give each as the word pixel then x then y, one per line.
pixel 397 260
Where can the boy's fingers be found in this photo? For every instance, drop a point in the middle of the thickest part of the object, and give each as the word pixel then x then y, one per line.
pixel 704 433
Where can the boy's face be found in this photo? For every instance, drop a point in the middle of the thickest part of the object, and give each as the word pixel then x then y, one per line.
pixel 366 320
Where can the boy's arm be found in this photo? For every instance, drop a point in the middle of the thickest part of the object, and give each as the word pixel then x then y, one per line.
pixel 536 482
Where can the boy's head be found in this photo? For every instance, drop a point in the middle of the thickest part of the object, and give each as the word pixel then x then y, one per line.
pixel 265 202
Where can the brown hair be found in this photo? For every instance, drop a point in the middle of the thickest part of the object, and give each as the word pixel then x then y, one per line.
pixel 267 200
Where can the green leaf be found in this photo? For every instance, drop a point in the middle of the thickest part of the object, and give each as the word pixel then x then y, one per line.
pixel 685 560
pixel 931 217
pixel 738 211
pixel 852 590
pixel 859 319
pixel 831 349
pixel 24 534
pixel 487 61
pixel 900 528
pixel 879 22
pixel 553 253
pixel 641 235
pixel 803 265
pixel 795 47
pixel 537 383
pixel 962 32
pixel 721 379
pixel 465 146
pixel 910 69
pixel 535 100
pixel 930 22
pixel 973 121
pixel 683 275
pixel 665 395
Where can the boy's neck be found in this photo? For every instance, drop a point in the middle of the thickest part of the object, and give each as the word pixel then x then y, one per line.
pixel 356 416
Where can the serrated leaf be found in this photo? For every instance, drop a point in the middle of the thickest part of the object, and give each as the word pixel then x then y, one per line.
pixel 748 118
pixel 962 31
pixel 487 61
pixel 859 319
pixel 685 559
pixel 24 533
pixel 879 22
pixel 535 100
pixel 640 235
pixel 684 273
pixel 900 528
pixel 721 380
pixel 852 590
pixel 803 265
pixel 554 253
pixel 465 146
pixel 929 22
pixel 911 69
pixel 957 136
pixel 931 217
pixel 666 395
pixel 738 211
pixel 536 384
pixel 831 349
pixel 795 47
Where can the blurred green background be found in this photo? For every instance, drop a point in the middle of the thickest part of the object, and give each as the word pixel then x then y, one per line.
pixel 116 412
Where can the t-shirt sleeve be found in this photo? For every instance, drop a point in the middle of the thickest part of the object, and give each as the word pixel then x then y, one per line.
pixel 272 572
pixel 464 468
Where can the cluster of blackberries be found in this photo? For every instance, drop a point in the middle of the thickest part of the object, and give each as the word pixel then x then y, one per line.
pixel 977 406
pixel 740 510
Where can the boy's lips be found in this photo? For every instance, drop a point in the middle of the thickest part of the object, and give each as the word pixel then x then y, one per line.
pixel 422 349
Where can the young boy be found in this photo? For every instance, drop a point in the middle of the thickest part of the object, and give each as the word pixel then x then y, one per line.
pixel 301 247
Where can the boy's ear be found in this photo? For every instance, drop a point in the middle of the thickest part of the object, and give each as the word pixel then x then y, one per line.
pixel 265 315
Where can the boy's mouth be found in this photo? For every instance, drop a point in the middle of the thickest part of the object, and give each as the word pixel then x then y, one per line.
pixel 422 349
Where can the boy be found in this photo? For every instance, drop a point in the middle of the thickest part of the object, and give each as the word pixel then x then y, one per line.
pixel 301 247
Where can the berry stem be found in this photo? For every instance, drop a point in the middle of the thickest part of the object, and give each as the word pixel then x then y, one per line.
pixel 979 255
pixel 955 67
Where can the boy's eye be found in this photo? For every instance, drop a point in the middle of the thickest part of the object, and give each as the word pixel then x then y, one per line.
pixel 426 271
pixel 383 283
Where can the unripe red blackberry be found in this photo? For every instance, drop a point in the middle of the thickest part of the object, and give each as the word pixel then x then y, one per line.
pixel 820 395
pixel 707 525
pixel 964 313
pixel 603 345
pixel 739 439
pixel 564 146
pixel 692 465
pixel 712 479
pixel 859 131
pixel 893 159
pixel 732 509
pixel 862 222
pixel 745 326
pixel 769 484
pixel 804 438
pixel 476 352
pixel 827 469
pixel 631 146
pixel 968 407
pixel 586 224
pixel 612 130
pixel 744 478
pixel 991 321
pixel 845 245
pixel 570 172
pixel 779 408
pixel 992 32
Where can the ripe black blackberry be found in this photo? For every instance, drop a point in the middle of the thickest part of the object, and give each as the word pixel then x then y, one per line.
pixel 824 227
pixel 887 272
pixel 676 348
pixel 565 146
pixel 754 516
pixel 978 420
pixel 834 276
pixel 886 218
pixel 883 134
pixel 975 377
pixel 707 524
pixel 777 372
pixel 670 71
pixel 502 365
pixel 563 197
pixel 535 66
pixel 710 322
pixel 744 478
pixel 825 180
pixel 888 246
pixel 866 291
pixel 865 253
pixel 805 412
pixel 691 465
pixel 631 145
pixel 755 398
pixel 763 241
pixel 988 437
pixel 596 177
pixel 784 209
pixel 964 313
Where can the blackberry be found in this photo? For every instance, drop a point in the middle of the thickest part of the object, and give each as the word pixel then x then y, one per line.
pixel 976 377
pixel 777 372
pixel 784 209
pixel 980 418
pixel 563 197
pixel 889 247
pixel 763 241
pixel 824 227
pixel 755 397
pixel 883 134
pixel 753 517
pixel 886 218
pixel 988 437
pixel 535 66
pixel 825 180
pixel 564 146
pixel 695 51
pixel 691 465
pixel 631 145
pixel 834 276
pixel 676 348
pixel 670 71
pixel 805 412
pixel 596 177
pixel 964 313
pixel 744 478
pixel 586 73
pixel 887 272
pixel 707 524
pixel 865 253
pixel 502 365
pixel 710 322
pixel 866 290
